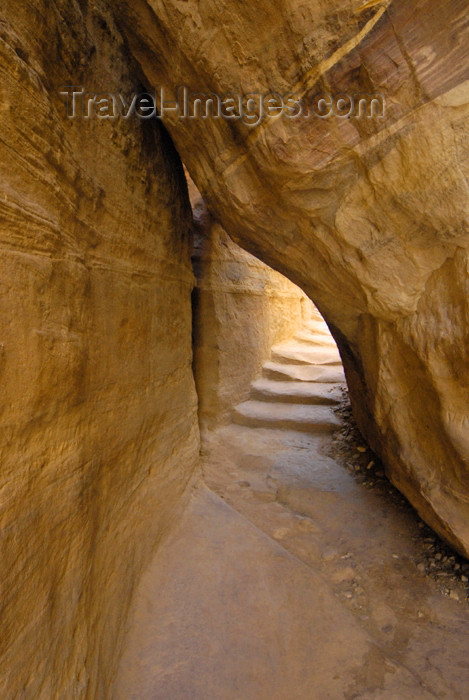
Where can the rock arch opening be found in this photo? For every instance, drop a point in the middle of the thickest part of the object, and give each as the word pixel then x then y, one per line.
pixel 359 225
pixel 243 314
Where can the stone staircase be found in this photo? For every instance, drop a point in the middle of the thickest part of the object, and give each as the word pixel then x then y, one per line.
pixel 299 385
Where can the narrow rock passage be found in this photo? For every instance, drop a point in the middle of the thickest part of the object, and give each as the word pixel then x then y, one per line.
pixel 286 579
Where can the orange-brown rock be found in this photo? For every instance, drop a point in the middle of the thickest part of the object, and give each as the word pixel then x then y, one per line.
pixel 97 411
pixel 368 216
pixel 98 408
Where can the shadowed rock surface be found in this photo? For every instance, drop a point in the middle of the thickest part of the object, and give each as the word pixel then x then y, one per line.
pixel 98 414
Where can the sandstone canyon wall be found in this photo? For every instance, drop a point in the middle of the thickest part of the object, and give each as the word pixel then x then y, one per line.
pixel 368 215
pixel 97 409
pixel 241 308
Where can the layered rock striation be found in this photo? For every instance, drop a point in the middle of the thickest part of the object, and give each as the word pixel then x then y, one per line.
pixel 98 413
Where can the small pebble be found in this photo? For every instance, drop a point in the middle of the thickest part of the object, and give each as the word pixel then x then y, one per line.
pixel 281 533
pixel 329 555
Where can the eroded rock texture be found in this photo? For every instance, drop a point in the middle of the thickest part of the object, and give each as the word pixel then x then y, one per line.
pixel 97 410
pixel 368 216
pixel 241 307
